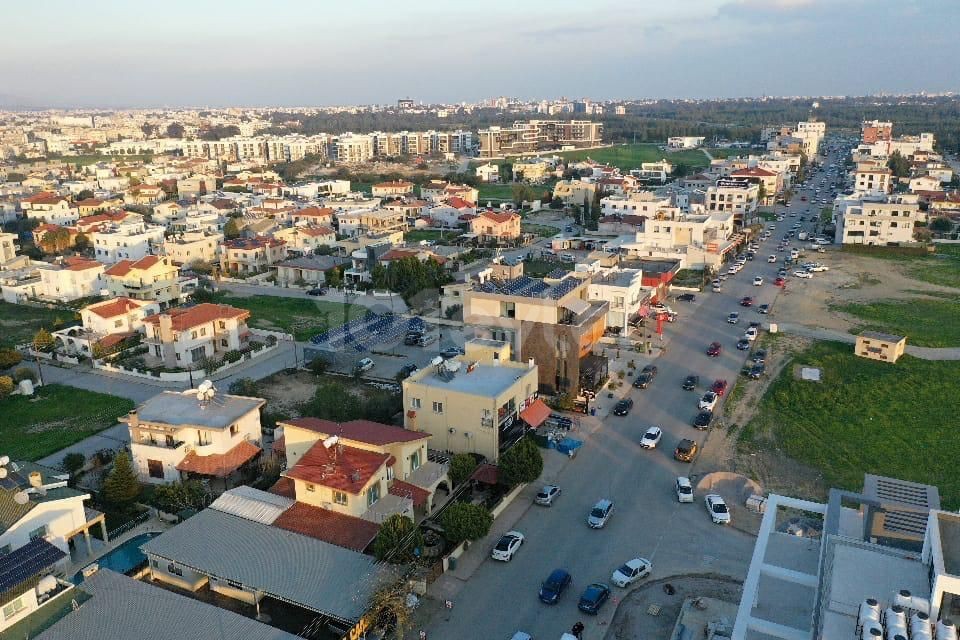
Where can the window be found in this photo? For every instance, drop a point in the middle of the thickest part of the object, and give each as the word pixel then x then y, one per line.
pixel 203 331
pixel 5 549
pixel 193 335
pixel 390 474
pixel 373 494
pixel 13 608
pixel 415 460
pixel 39 532
pixel 438 407
pixel 157 351
pixel 414 403
pixel 339 497
pixel 311 487
pixel 174 569
pixel 155 468
pixel 234 430
pixel 118 323
pixel 223 342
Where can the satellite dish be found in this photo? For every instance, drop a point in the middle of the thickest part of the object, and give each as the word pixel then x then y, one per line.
pixel 21 497
pixel 3 473
pixel 4 461
pixel 329 442
pixel 437 361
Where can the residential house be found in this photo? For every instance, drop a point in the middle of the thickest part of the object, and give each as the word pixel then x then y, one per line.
pixel 574 192
pixel 769 182
pixel 175 436
pixel 308 270
pixel 29 583
pixel 468 405
pixel 90 206
pixel 306 238
pixel 153 279
pixel 488 172
pixel 392 189
pixel 624 293
pixel 880 346
pixel 685 142
pixel 924 183
pixel 872 180
pixel 500 227
pixel 532 170
pixel 8 247
pixel 130 239
pixel 49 207
pixel 188 336
pixel 251 255
pixel 117 315
pixel 193 246
pixel 72 278
pixel 451 213
pixel 317 216
pixel 144 195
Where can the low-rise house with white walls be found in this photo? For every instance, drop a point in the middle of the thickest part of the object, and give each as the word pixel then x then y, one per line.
pixel 131 239
pixel 193 246
pixel 72 278
pixel 188 336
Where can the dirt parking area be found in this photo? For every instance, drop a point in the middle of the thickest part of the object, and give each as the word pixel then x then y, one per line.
pixel 285 392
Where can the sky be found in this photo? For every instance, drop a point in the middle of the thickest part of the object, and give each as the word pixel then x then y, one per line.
pixel 118 53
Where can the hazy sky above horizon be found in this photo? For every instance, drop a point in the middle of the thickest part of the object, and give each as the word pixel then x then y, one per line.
pixel 117 53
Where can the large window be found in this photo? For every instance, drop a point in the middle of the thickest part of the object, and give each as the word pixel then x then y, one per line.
pixel 39 532
pixel 13 608
pixel 373 494
pixel 339 497
pixel 155 468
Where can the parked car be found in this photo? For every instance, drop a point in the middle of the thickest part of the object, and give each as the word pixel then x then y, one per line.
pixel 686 297
pixel 546 496
pixel 451 352
pixel 708 401
pixel 751 334
pixel 651 438
pixel 593 598
pixel 553 587
pixel 806 275
pixel 733 317
pixel 717 508
pixel 631 571
pixel 743 344
pixel 623 407
pixel 759 356
pixel 408 369
pixel 780 281
pixel 757 371
pixel 646 376
pixel 507 546
pixel 719 386
pixel 714 349
pixel 746 301
pixel 599 514
pixel 690 382
pixel 684 489
pixel 686 450
pixel 703 419
pixel 317 291
pixel 364 365
pixel 764 309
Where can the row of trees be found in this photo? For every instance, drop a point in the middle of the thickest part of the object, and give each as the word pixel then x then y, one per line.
pixel 409 276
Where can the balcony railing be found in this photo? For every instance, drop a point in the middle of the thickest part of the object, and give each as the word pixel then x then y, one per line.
pixel 162 444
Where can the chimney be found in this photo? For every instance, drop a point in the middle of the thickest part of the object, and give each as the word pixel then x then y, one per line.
pixel 36 480
pixel 133 419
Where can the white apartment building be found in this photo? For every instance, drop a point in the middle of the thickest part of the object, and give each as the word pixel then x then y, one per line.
pixel 193 246
pixel 736 196
pixel 8 247
pixel 71 279
pixel 872 181
pixel 637 203
pixel 623 290
pixel 176 436
pixel 129 239
pixel 352 148
pixel 878 223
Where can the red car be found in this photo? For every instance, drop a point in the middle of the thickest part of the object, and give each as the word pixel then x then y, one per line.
pixel 780 282
pixel 719 387
pixel 714 349
pixel 746 302
pixel 803 198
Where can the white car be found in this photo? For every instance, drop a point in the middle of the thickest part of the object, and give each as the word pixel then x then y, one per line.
pixel 651 438
pixel 684 489
pixel 758 281
pixel 507 546
pixel 708 401
pixel 717 509
pixel 817 268
pixel 771 259
pixel 751 334
pixel 802 274
pixel 364 365
pixel 631 571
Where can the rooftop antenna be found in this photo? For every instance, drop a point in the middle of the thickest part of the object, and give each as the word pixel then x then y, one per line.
pixel 205 393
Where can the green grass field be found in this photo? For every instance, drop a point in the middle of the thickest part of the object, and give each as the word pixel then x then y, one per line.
pixel 731 153
pixel 542 230
pixel 495 192
pixel 55 417
pixel 926 323
pixel 865 416
pixel 301 317
pixel 630 156
pixel 18 322
pixel 93 158
pixel 941 268
pixel 540 268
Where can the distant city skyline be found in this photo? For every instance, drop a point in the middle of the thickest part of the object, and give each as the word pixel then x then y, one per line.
pixel 296 53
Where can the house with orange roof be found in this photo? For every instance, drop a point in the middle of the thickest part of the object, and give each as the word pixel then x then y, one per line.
pixel 91 223
pixel 176 436
pixel 251 255
pixel 144 194
pixel 392 189
pixel 188 336
pixel 49 207
pixel 772 181
pixel 451 212
pixel 496 226
pixel 90 206
pixel 321 216
pixel 117 315
pixel 72 278
pixel 152 279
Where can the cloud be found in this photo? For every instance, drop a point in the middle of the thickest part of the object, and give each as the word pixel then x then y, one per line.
pixel 562 31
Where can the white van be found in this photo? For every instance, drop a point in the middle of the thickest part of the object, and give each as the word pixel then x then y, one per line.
pixel 803 235
pixel 568 257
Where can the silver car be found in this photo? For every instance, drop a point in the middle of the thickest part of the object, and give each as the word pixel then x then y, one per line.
pixel 547 495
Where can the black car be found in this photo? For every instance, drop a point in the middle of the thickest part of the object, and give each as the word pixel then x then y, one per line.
pixel 686 297
pixel 554 586
pixel 743 344
pixel 318 291
pixel 757 371
pixel 759 356
pixel 623 407
pixel 703 420
pixel 451 352
pixel 408 369
pixel 646 376
pixel 593 598
pixel 412 338
pixel 690 383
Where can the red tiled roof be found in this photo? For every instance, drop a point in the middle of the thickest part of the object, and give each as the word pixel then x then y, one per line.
pixel 184 318
pixel 320 212
pixel 284 487
pixel 97 218
pixel 124 267
pixel 396 184
pixel 459 203
pixel 89 202
pixel 499 217
pixel 485 473
pixel 323 524
pixel 344 468
pixel 754 172
pixel 44 197
pixel 419 495
pixel 316 231
pixel 113 308
pixel 114 338
pixel 220 464
pixel 366 431
pixel 248 244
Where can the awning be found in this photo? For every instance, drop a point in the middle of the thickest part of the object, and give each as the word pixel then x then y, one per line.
pixel 577 305
pixel 536 413
pixel 219 465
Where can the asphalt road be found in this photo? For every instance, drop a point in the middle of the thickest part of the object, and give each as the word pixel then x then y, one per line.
pixel 501 598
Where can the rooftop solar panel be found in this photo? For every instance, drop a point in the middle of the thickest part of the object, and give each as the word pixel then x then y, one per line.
pixel 21 564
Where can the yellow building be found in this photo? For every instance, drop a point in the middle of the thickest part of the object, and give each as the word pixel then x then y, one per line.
pixel 152 278
pixel 880 346
pixel 467 405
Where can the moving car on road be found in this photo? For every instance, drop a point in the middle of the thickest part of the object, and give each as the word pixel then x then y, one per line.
pixel 690 382
pixel 507 546
pixel 686 450
pixel 651 438
pixel 684 489
pixel 553 587
pixel 806 275
pixel 631 571
pixel 717 509
pixel 733 317
pixel 746 301
pixel 600 513
pixel 764 309
pixel 714 349
pixel 547 495
pixel 686 297
pixel 758 281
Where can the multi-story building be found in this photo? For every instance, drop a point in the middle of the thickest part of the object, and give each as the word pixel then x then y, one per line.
pixel 49 207
pixel 71 279
pixel 306 238
pixel 193 246
pixel 883 223
pixel 638 203
pixel 176 436
pixel 736 196
pixel 8 247
pixel 144 194
pixel 872 180
pixel 550 321
pixel 624 293
pixel 538 135
pixel 251 255
pixel 696 240
pixel 392 189
pixel 574 192
pixel 152 279
pixel 771 181
pixel 495 226
pixel 354 149
pixel 187 336
pixel 470 404
pixel 872 131
pixel 129 239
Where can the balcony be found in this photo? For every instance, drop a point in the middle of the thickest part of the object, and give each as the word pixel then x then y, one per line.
pixel 161 444
pixel 387 506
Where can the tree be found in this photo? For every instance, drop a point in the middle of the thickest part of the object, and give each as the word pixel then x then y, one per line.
pixel 176 497
pixel 24 373
pixel 389 608
pixel 243 387
pixel 85 194
pixel 397 540
pixel 521 193
pixel 73 463
pixel 81 242
pixel 899 165
pixel 464 521
pixel 762 193
pixel 55 240
pixel 681 170
pixel 121 487
pixel 43 341
pixel 521 463
pixel 941 225
pixel 556 203
pixel 9 358
pixel 461 466
pixel 232 229
pixel 318 365
pixel 175 130
pixel 6 386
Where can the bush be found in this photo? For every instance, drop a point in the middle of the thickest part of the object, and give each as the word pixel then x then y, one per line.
pixel 397 539
pixel 24 373
pixel 232 356
pixel 318 365
pixel 6 386
pixel 464 521
pixel 243 387
pixel 521 463
pixel 9 358
pixel 73 463
pixel 461 466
